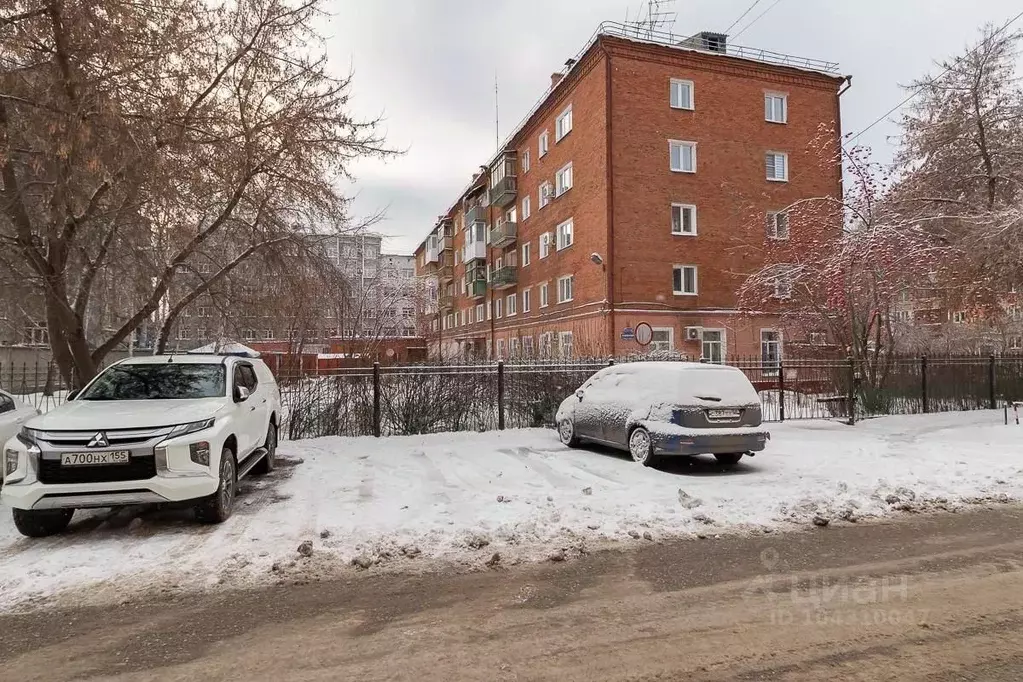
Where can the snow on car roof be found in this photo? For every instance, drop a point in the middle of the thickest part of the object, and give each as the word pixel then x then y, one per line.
pixel 191 359
pixel 688 382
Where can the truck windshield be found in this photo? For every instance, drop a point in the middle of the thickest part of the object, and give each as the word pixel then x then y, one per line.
pixel 172 381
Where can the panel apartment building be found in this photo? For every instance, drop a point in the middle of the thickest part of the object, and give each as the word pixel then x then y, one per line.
pixel 628 195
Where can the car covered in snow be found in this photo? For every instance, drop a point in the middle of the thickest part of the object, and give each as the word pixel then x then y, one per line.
pixel 160 429
pixel 655 409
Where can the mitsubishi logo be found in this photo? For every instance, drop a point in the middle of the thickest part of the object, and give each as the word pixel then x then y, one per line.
pixel 98 441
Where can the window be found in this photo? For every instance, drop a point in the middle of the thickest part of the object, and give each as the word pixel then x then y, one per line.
pixel 543 145
pixel 500 349
pixel 683 156
pixel 777 167
pixel 268 334
pixel 770 350
pixel 563 125
pixel 6 404
pixel 513 348
pixel 565 234
pixel 565 289
pixel 185 334
pixel 544 298
pixel 903 315
pixel 545 344
pixel 565 344
pixel 783 282
pixel 526 295
pixel 527 346
pixel 206 267
pixel 545 245
pixel 526 248
pixel 1014 313
pixel 200 334
pixel 959 317
pixel 663 340
pixel 684 281
pixel 525 162
pixel 777 225
pixel 204 311
pixel 498 308
pixel 681 94
pixel 683 219
pixel 563 180
pixel 776 107
pixel 480 314
pixel 249 334
pixel 511 305
pixel 546 193
pixel 818 338
pixel 1015 343
pixel 714 346
pixel 311 334
pixel 527 208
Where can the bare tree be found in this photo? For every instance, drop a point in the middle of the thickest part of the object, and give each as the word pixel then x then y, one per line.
pixel 133 131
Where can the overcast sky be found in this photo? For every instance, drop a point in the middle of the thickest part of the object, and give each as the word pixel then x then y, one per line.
pixel 428 68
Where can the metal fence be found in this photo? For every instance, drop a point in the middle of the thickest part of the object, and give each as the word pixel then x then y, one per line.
pixel 416 399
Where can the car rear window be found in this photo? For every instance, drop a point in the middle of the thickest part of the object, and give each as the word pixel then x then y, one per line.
pixel 171 381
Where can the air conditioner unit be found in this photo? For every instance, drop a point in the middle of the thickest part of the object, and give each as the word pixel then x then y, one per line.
pixel 694 333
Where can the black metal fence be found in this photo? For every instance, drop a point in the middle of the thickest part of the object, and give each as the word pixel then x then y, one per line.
pixel 416 399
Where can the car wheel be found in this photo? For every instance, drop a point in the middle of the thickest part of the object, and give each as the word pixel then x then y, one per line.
pixel 728 459
pixel 39 523
pixel 217 507
pixel 566 431
pixel 269 461
pixel 641 447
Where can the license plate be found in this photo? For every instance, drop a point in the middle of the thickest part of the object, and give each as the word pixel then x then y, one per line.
pixel 71 459
pixel 724 414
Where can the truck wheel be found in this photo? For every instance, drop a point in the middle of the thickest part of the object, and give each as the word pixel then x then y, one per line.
pixel 217 507
pixel 728 459
pixel 40 523
pixel 269 461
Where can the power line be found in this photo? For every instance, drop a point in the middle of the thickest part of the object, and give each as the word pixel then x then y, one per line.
pixel 759 16
pixel 920 88
pixel 743 16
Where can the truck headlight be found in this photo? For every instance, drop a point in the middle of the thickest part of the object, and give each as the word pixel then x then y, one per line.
pixel 193 427
pixel 28 438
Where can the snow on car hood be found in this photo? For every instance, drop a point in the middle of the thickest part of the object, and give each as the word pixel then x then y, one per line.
pixel 84 415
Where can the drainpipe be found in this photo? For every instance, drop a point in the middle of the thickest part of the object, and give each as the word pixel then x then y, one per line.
pixel 610 250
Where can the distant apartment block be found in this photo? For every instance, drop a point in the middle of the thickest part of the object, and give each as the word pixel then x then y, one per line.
pixel 626 196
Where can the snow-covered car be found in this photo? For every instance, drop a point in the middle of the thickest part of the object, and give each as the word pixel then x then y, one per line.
pixel 160 429
pixel 13 414
pixel 653 409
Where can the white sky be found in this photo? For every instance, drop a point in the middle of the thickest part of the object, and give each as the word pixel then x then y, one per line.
pixel 428 67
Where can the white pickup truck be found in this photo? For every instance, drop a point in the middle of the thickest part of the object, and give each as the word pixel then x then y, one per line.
pixel 157 429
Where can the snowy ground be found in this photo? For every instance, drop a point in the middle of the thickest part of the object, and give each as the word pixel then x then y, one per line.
pixel 420 502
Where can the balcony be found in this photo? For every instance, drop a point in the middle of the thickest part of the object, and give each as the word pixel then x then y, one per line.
pixel 474 250
pixel 445 272
pixel 446 301
pixel 504 234
pixel 477 288
pixel 505 277
pixel 445 244
pixel 504 192
pixel 476 214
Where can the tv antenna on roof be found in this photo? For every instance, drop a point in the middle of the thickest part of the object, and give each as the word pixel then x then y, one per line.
pixel 654 17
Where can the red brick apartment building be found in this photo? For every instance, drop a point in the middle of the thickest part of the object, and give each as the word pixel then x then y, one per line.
pixel 626 196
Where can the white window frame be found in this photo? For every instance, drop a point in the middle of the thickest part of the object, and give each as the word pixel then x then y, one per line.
pixel 543 144
pixel 565 340
pixel 681 222
pixel 498 308
pixel 527 249
pixel 527 294
pixel 565 234
pixel 723 342
pixel 527 207
pixel 785 161
pixel 783 283
pixel 513 347
pixel 545 244
pixel 570 279
pixel 772 225
pixel 546 346
pixel 958 317
pixel 563 179
pixel 545 295
pixel 546 196
pixel 696 280
pixel 1015 342
pixel 671 338
pixel 524 162
pixel 769 109
pixel 527 346
pixel 682 82
pixel 781 350
pixel 563 124
pixel 681 144
pixel 511 305
pixel 479 316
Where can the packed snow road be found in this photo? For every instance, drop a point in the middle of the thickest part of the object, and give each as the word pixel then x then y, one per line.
pixel 417 503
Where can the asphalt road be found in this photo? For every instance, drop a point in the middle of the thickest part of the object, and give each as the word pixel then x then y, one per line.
pixel 922 598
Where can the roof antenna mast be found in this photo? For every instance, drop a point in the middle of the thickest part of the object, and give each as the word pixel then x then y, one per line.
pixel 657 17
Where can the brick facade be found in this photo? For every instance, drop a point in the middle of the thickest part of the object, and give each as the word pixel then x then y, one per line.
pixel 623 250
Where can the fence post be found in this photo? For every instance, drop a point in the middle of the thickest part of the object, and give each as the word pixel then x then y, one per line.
pixel 376 399
pixel 850 400
pixel 923 382
pixel 992 403
pixel 500 395
pixel 781 390
pixel 611 362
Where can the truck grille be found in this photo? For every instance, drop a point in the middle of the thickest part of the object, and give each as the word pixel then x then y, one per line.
pixel 139 468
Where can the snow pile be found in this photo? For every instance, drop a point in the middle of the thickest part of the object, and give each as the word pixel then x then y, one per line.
pixel 487 499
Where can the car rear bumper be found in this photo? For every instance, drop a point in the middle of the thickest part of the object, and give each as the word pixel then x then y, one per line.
pixel 110 494
pixel 709 443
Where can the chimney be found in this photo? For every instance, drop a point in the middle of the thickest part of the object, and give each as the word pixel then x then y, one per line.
pixel 556 78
